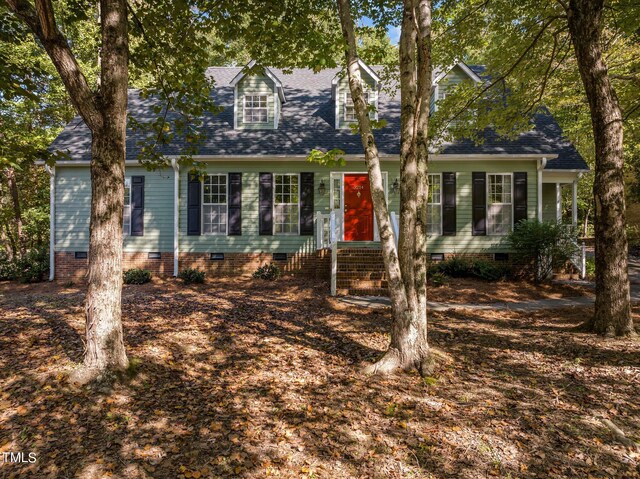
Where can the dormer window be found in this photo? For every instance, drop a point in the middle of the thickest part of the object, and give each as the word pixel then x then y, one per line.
pixel 255 109
pixel 349 108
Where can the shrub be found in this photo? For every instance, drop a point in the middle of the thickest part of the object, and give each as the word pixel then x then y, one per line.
pixel 489 270
pixel 137 276
pixel 541 247
pixel 33 266
pixel 437 279
pixel 456 267
pixel 191 275
pixel 590 268
pixel 7 267
pixel 269 272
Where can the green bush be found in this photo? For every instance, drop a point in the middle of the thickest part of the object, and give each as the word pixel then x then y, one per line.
pixel 7 268
pixel 268 272
pixel 489 270
pixel 137 276
pixel 437 279
pixel 541 247
pixel 32 267
pixel 460 267
pixel 192 275
pixel 590 268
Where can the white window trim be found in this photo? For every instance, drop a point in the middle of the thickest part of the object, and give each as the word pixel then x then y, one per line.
pixel 226 181
pixel 244 109
pixel 439 175
pixel 273 202
pixel 489 204
pixel 372 99
pixel 127 183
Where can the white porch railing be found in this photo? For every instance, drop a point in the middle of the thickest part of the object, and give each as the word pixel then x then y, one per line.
pixel 579 259
pixel 327 235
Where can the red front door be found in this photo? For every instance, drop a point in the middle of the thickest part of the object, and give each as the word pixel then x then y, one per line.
pixel 358 208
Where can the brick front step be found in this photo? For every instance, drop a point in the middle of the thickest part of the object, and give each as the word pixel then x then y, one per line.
pixel 362 292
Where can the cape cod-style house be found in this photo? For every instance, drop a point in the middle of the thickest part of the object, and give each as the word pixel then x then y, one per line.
pixel 262 201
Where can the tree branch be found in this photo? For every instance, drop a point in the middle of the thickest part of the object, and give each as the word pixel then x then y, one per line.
pixel 41 21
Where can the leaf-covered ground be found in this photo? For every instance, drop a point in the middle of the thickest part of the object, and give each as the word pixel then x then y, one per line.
pixel 252 380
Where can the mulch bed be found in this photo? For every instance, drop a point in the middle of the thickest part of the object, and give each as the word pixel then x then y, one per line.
pixel 250 379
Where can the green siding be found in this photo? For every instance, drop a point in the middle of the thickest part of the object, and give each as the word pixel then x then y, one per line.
pixel 343 91
pixel 73 206
pixel 464 241
pixel 449 82
pixel 256 85
pixel 73 193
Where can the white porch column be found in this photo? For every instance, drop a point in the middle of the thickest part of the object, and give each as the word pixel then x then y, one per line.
pixel 541 165
pixel 558 203
pixel 52 221
pixel 574 205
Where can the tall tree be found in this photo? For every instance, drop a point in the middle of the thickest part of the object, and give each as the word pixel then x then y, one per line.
pixel 105 113
pixel 535 52
pixel 613 305
pixel 178 86
pixel 406 266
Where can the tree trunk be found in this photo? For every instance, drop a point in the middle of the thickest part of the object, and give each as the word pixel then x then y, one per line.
pixel 613 306
pixel 17 213
pixel 408 347
pixel 105 113
pixel 105 344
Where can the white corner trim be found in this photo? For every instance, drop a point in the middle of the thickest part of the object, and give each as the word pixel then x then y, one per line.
pixel 176 214
pixel 52 220
pixel 337 106
pixel 276 111
pixel 235 107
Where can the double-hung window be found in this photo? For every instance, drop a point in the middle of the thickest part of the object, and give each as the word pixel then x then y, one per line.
pixel 349 108
pixel 434 205
pixel 126 212
pixel 286 203
pixel 255 109
pixel 499 204
pixel 214 205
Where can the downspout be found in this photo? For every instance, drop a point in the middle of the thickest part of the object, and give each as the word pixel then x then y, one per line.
pixel 541 165
pixel 52 220
pixel 176 212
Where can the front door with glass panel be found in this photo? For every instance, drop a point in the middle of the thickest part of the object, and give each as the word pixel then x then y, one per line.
pixel 358 208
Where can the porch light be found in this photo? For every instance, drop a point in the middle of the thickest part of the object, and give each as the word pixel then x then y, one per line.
pixel 322 189
pixel 395 187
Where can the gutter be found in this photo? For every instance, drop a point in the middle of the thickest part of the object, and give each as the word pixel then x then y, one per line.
pixel 176 212
pixel 52 220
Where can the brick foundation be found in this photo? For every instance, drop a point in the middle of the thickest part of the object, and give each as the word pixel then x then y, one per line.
pixel 310 265
pixel 70 268
pixel 313 265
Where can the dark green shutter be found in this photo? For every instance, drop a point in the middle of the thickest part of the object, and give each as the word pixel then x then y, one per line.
pixel 194 205
pixel 137 206
pixel 449 204
pixel 306 204
pixel 265 199
pixel 235 204
pixel 479 203
pixel 519 197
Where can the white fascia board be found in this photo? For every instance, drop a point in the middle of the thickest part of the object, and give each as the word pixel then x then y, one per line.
pixel 241 74
pixel 463 67
pixel 362 65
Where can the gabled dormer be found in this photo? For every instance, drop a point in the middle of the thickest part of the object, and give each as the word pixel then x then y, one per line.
pixel 342 102
pixel 447 79
pixel 258 96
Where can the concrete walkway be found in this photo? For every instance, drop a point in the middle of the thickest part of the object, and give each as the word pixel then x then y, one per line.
pixel 533 305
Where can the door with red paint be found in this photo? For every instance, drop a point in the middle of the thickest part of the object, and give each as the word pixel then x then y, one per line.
pixel 358 208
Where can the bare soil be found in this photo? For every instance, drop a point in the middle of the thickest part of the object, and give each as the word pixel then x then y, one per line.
pixel 253 380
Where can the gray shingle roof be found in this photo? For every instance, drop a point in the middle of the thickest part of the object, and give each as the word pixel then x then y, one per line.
pixel 307 122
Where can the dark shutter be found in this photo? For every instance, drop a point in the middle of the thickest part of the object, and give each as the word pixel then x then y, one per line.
pixel 137 206
pixel 306 204
pixel 479 203
pixel 235 204
pixel 265 197
pixel 519 197
pixel 194 199
pixel 449 204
